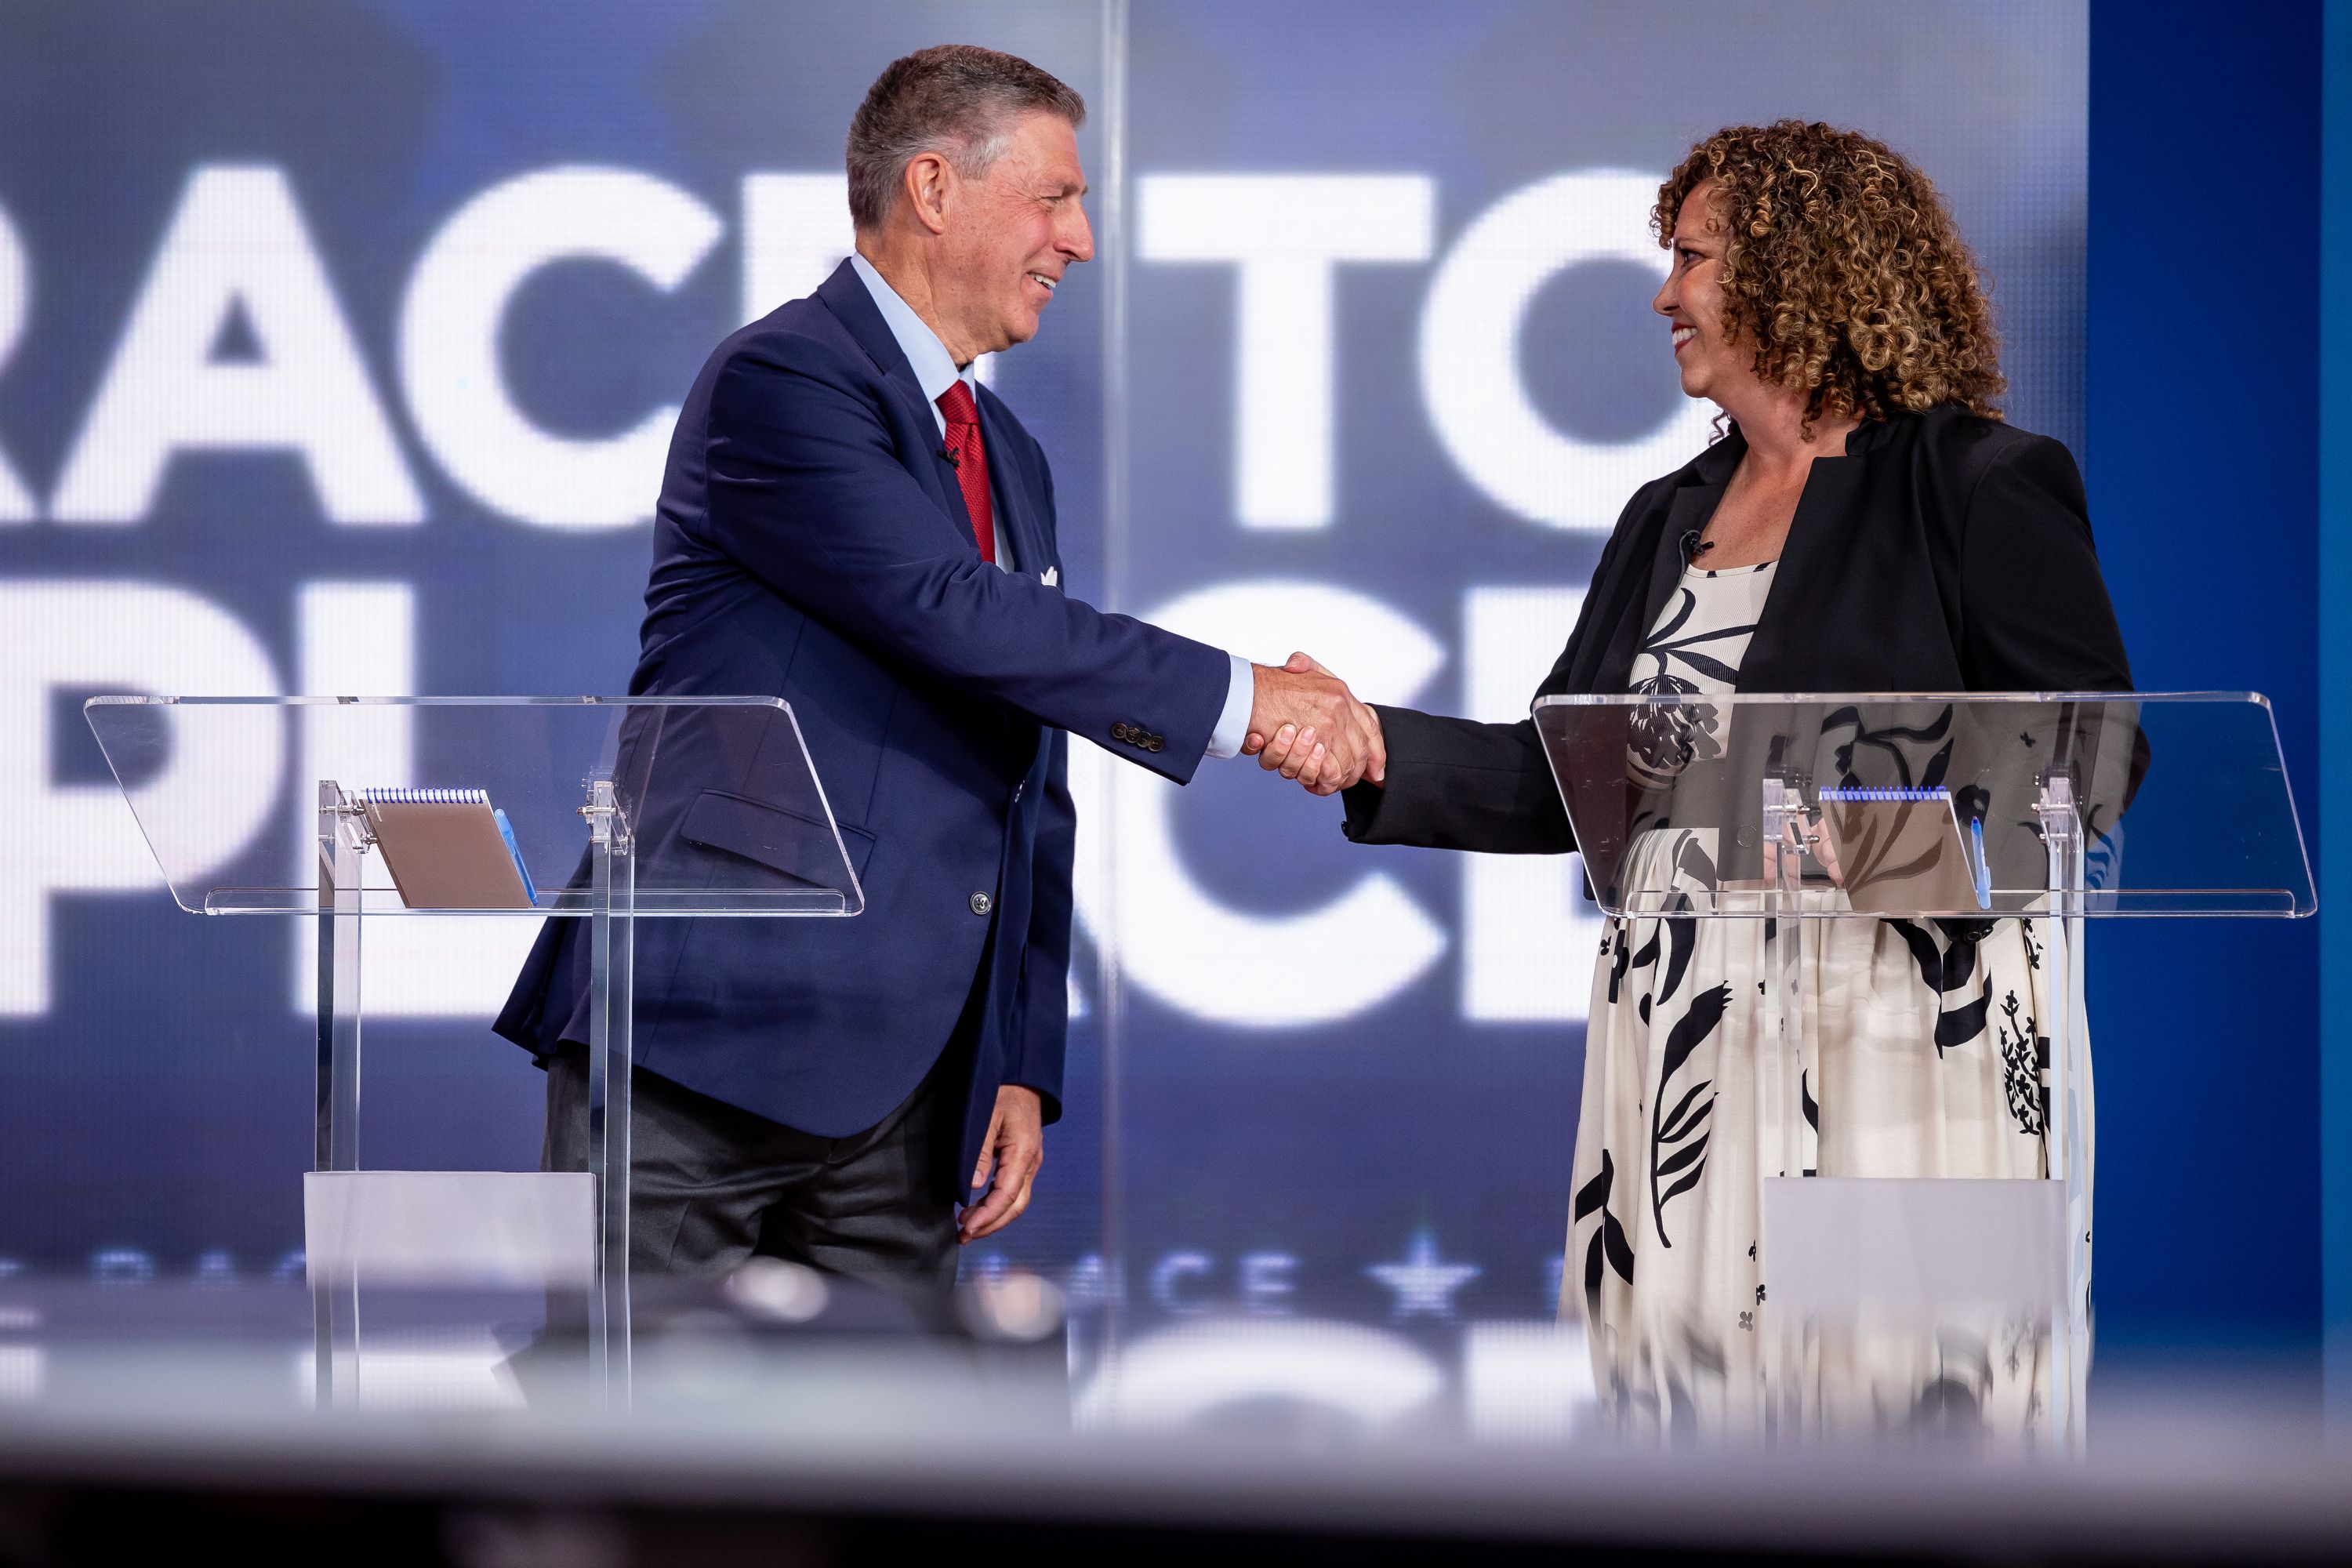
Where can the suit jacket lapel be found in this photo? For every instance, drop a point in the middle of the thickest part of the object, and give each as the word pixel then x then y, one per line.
pixel 1809 558
pixel 844 295
pixel 1015 507
pixel 1687 514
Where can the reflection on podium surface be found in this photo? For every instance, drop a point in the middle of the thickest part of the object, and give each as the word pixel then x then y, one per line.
pixel 1972 1379
pixel 1977 1381
pixel 781 1347
pixel 781 1393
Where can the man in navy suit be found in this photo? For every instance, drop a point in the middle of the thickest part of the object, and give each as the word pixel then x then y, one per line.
pixel 851 522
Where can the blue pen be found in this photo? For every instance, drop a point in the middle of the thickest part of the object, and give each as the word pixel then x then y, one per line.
pixel 506 831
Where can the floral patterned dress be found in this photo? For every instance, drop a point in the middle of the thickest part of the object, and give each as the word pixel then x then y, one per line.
pixel 1929 1063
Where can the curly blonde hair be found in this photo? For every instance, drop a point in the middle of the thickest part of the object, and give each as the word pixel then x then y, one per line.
pixel 1843 265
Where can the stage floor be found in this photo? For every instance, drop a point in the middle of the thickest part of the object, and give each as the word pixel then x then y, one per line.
pixel 132 1415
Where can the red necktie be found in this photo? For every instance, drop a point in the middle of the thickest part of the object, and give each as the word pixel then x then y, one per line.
pixel 971 464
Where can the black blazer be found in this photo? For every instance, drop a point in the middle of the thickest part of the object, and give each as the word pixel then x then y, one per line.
pixel 1945 552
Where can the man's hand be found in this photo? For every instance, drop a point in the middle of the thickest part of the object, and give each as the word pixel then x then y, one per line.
pixel 1306 725
pixel 1014 1148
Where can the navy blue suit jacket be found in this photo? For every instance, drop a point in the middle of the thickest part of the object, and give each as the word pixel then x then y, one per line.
pixel 811 543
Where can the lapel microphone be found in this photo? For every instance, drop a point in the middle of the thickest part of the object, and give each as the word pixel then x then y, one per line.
pixel 1694 546
pixel 955 460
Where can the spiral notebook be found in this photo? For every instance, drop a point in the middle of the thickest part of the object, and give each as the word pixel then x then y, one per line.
pixel 1902 851
pixel 449 849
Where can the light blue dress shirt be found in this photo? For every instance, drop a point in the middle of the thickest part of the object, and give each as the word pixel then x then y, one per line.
pixel 935 372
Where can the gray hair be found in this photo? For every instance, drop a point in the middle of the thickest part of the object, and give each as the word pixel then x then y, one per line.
pixel 955 100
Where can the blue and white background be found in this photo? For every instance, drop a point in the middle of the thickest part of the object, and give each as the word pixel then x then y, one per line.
pixel 339 343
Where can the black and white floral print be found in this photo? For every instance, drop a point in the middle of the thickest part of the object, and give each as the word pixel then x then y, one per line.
pixel 1926 1054
pixel 1703 633
pixel 1696 645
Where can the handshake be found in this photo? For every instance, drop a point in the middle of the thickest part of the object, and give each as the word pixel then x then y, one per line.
pixel 1306 725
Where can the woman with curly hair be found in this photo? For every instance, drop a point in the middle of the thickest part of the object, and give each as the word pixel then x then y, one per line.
pixel 1866 523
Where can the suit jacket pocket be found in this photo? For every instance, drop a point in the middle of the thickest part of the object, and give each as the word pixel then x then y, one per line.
pixel 800 847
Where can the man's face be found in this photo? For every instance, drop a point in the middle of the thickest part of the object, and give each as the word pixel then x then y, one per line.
pixel 1018 229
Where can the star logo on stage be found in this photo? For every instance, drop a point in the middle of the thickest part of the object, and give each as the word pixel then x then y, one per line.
pixel 1423 1285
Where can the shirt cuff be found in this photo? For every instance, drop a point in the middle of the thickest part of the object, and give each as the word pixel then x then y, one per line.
pixel 1232 724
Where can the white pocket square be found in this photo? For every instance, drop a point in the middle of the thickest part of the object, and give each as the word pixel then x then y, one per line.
pixel 1053 577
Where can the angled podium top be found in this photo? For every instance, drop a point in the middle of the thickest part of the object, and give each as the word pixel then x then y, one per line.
pixel 1929 805
pixel 715 804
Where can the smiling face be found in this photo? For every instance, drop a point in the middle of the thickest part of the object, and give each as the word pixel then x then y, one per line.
pixel 1016 230
pixel 1691 299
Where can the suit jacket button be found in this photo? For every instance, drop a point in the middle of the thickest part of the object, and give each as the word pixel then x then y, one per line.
pixel 1121 733
pixel 982 904
pixel 1153 743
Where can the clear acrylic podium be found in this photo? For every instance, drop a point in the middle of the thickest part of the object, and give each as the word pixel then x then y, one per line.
pixel 619 809
pixel 2051 808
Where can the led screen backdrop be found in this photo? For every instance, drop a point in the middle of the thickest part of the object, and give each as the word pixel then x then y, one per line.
pixel 1391 374
pixel 339 344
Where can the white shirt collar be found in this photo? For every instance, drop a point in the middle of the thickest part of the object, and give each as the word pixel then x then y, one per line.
pixel 935 371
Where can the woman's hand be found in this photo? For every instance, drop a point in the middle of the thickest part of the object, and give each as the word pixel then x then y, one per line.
pixel 1807 837
pixel 1824 849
